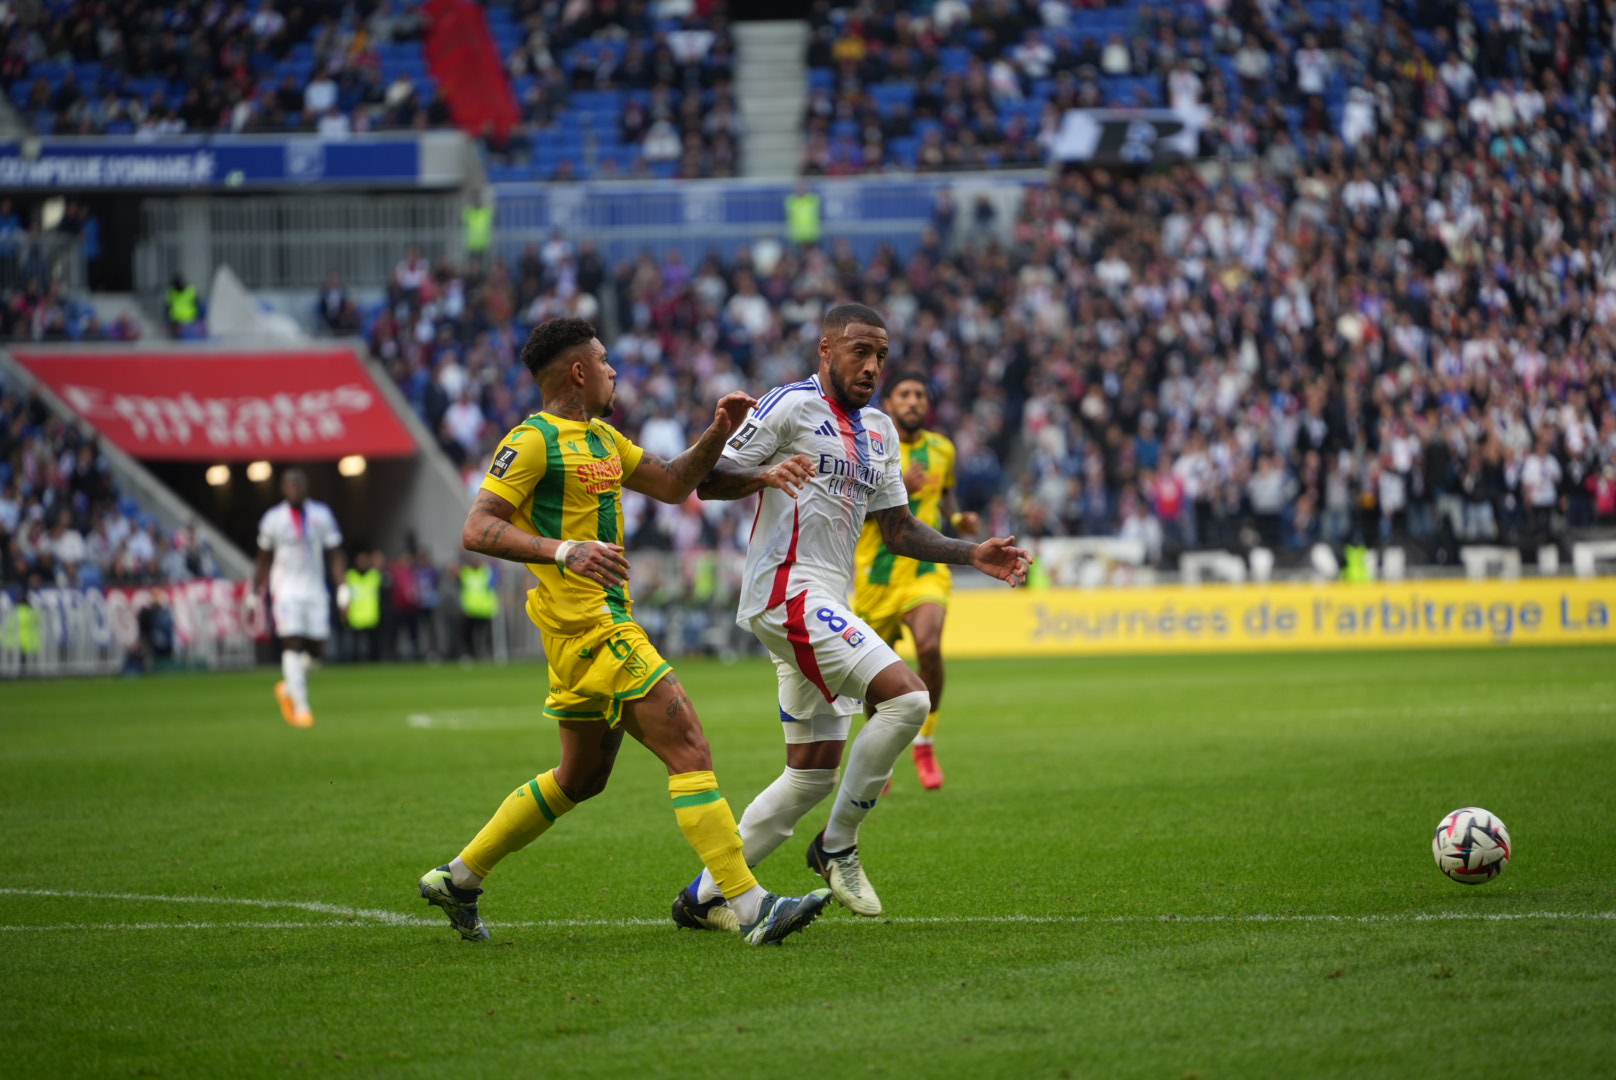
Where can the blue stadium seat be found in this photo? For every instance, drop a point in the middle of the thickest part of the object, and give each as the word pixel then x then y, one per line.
pixel 892 93
pixel 955 60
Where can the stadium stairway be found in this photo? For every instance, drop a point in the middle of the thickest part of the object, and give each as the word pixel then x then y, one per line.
pixel 771 82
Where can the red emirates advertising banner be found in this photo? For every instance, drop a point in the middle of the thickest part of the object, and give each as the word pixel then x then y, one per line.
pixel 307 405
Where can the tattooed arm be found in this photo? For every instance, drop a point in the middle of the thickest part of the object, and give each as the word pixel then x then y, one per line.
pixel 905 535
pixel 673 481
pixel 731 481
pixel 488 531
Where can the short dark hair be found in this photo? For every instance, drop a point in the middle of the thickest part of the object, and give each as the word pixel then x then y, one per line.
pixel 842 316
pixel 898 379
pixel 550 340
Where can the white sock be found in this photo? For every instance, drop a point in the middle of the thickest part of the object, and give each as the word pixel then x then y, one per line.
pixel 461 875
pixel 295 669
pixel 748 904
pixel 771 818
pixel 922 740
pixel 869 764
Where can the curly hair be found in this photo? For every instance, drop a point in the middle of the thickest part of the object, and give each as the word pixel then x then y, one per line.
pixel 551 340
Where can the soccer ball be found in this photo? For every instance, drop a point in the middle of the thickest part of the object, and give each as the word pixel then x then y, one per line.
pixel 1471 846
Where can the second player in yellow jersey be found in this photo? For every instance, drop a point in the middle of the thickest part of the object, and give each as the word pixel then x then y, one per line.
pixel 893 593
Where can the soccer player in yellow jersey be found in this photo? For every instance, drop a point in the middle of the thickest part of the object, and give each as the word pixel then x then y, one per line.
pixel 551 499
pixel 893 592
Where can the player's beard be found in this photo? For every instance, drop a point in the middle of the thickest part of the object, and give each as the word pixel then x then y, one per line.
pixel 846 393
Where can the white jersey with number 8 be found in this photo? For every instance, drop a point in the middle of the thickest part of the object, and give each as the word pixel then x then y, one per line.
pixel 808 542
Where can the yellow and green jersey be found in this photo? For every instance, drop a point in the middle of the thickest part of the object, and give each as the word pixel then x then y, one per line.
pixel 565 478
pixel 878 566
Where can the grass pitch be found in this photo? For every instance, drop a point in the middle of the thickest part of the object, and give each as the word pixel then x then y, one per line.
pixel 1189 867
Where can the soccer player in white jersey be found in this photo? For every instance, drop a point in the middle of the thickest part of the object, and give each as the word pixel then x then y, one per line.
pixel 298 540
pixel 799 569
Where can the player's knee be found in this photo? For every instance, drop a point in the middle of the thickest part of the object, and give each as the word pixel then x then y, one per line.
pixel 929 649
pixel 907 710
pixel 812 785
pixel 586 790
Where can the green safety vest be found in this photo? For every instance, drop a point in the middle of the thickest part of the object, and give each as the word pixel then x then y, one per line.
pixel 1038 578
pixel 364 599
pixel 26 630
pixel 1357 568
pixel 182 306
pixel 704 582
pixel 477 597
pixel 479 221
pixel 802 218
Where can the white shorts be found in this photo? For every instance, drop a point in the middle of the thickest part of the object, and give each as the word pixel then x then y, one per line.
pixel 302 617
pixel 825 657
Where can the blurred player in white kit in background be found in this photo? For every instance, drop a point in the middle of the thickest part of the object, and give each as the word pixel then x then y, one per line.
pixel 298 542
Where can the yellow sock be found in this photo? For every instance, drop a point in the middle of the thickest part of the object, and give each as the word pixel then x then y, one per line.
pixel 929 726
pixel 521 819
pixel 708 824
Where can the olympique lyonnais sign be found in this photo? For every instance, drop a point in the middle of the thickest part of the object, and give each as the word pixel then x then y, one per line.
pixel 306 405
pixel 220 161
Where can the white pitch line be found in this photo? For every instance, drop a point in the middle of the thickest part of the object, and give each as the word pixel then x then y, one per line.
pixel 396 919
pixel 315 907
pixel 940 920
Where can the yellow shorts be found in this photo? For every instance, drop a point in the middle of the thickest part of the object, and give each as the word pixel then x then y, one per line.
pixel 884 606
pixel 593 674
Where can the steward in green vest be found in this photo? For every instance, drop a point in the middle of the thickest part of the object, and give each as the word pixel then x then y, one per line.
pixel 22 634
pixel 361 600
pixel 802 217
pixel 364 598
pixel 183 310
pixel 1357 568
pixel 479 603
pixel 478 219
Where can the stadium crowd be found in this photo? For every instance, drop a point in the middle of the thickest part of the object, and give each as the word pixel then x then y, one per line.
pixel 648 92
pixel 1389 316
pixel 1398 328
pixel 986 84
pixel 35 305
pixel 62 520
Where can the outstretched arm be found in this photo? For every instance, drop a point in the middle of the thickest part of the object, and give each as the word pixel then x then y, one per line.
pixel 488 531
pixel 673 481
pixel 731 481
pixel 905 535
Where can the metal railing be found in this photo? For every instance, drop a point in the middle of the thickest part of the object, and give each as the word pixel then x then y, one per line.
pixel 52 256
pixel 292 241
pixel 685 601
pixel 55 632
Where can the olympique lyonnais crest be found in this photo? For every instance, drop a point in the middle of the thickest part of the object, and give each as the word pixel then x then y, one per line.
pixel 878 444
